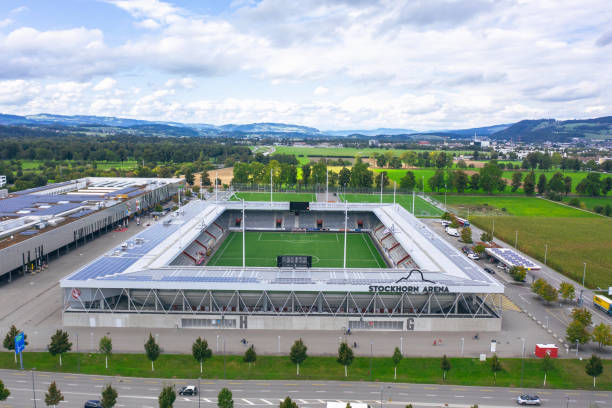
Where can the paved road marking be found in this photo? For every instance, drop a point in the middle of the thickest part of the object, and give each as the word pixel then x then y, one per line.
pixel 269 403
pixel 247 401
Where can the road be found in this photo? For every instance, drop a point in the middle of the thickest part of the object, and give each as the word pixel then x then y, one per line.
pixel 139 392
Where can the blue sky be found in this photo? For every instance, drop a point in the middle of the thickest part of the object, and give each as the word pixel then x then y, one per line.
pixel 420 64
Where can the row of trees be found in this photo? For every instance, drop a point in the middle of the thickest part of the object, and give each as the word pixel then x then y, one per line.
pixel 578 330
pixel 550 294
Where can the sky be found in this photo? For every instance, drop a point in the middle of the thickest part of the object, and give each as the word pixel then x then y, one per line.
pixel 344 64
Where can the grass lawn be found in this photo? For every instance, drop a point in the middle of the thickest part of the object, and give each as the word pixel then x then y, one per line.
pixel 326 248
pixel 500 205
pixel 261 196
pixel 591 202
pixel 571 241
pixel 422 207
pixel 102 165
pixel 568 374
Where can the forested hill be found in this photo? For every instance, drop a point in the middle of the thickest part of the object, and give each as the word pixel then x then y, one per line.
pixel 541 130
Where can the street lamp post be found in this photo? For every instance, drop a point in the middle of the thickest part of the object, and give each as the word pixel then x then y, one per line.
pixel 382 388
pixel 462 342
pixel 515 238
pixel 545 252
pixel 371 352
pixel 33 388
pixel 576 348
pixel 522 361
pixel 583 273
pixel 199 379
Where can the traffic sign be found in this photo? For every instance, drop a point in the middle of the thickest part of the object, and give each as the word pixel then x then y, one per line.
pixel 19 343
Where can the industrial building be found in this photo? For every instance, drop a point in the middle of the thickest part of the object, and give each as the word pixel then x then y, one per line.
pixel 42 223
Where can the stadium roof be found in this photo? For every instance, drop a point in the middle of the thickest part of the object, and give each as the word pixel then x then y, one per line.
pixel 143 261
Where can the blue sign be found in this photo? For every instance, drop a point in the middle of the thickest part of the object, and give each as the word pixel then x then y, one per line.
pixel 19 343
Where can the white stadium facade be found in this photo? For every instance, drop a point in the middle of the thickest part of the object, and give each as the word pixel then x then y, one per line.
pixel 159 278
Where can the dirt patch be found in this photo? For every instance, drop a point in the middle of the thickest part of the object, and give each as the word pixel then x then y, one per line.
pixel 226 175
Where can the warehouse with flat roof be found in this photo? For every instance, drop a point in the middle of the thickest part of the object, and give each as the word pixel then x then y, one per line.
pixel 43 222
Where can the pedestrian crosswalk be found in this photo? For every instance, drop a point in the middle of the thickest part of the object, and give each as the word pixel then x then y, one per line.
pixel 506 303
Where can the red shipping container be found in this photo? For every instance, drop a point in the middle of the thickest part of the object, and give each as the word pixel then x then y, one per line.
pixel 542 349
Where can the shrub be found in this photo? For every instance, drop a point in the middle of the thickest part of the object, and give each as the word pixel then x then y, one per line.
pixel 518 273
pixel 598 209
pixel 574 202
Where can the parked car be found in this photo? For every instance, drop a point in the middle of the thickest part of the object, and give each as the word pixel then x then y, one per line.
pixel 93 404
pixel 188 390
pixel 489 270
pixel 452 232
pixel 445 223
pixel 528 400
pixel 466 250
pixel 473 255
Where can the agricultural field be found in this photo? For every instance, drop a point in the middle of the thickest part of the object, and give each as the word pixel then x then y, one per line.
pixel 422 207
pixel 571 241
pixel 507 205
pixel 573 236
pixel 591 202
pixel 33 165
pixel 265 196
pixel 326 249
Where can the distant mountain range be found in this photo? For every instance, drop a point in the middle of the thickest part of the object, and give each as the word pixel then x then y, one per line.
pixel 526 130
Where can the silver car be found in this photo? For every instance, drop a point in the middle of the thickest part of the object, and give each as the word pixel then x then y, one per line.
pixel 528 400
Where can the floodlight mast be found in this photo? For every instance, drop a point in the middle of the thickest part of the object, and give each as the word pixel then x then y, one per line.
pixel 216 187
pixel 243 233
pixel 381 185
pixel 394 187
pixel 345 228
pixel 413 197
pixel 326 186
pixel 270 185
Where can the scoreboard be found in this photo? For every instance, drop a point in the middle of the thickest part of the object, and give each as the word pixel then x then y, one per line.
pixel 294 261
pixel 298 206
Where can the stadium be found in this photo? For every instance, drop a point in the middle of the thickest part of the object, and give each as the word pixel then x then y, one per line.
pixel 285 265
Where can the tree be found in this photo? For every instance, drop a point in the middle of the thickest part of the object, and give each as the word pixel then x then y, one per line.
pixel 382 177
pixel 567 185
pixel 445 365
pixel 466 235
pixel 4 392
pixel 408 181
pixel 583 316
pixel 486 237
pixel 542 184
pixel 106 348
pixel 518 273
pixel 189 177
pixel 152 350
pixel 298 353
pixel 167 396
pixel 59 344
pixel 556 183
pixel 305 173
pixel 590 185
pixel 109 397
pixel 345 356
pixel 536 286
pixel 577 332
pixel 529 183
pixel 436 182
pixel 250 356
pixel 396 357
pixel 547 365
pixel 224 399
pixel 594 367
pixel 200 351
pixel 495 365
pixel 287 403
pixel 344 177
pixel 602 334
pixel 460 181
pixel 53 395
pixel 9 340
pixel 475 182
pixel 567 290
pixel 479 249
pixel 490 177
pixel 549 293
pixel 517 178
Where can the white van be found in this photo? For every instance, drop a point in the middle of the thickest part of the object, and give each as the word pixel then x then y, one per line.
pixel 452 232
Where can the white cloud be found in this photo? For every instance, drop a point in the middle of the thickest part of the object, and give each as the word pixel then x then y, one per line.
pixel 416 64
pixel 6 22
pixel 320 90
pixel 185 83
pixel 105 84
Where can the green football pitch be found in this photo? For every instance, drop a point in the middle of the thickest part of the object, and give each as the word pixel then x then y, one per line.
pixel 326 249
